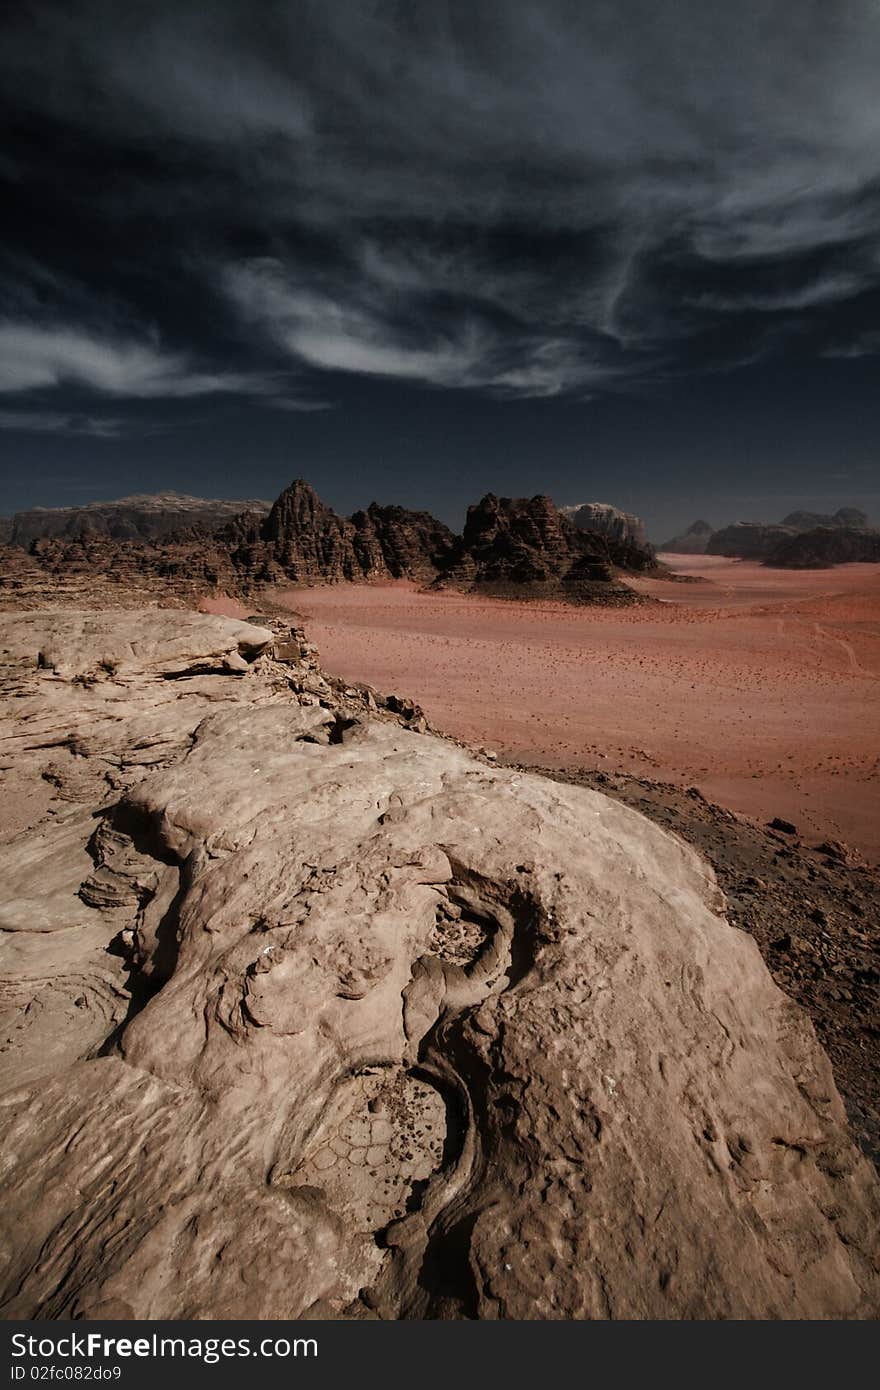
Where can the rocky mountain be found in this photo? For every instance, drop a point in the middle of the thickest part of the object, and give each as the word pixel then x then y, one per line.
pixel 523 545
pixel 307 1013
pixel 808 521
pixel 748 540
pixel 755 540
pixel 528 546
pixel 138 518
pixel 302 540
pixel 409 544
pixel 824 546
pixel 693 541
pixel 624 530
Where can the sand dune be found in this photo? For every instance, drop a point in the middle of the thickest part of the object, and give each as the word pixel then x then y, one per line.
pixel 758 686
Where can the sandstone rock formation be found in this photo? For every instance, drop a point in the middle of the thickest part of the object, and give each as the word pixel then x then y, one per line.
pixel 847 517
pixel 693 541
pixel 304 540
pixel 306 1013
pixel 623 529
pixel 747 540
pixel 523 546
pixel 526 546
pixel 824 546
pixel 756 540
pixel 407 544
pixel 137 518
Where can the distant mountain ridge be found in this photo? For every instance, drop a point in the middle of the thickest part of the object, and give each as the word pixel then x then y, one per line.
pixel 824 546
pixel 509 545
pixel 773 542
pixel 693 541
pixel 143 516
pixel 757 540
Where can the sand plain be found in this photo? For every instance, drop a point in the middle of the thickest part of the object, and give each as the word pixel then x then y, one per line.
pixel 758 686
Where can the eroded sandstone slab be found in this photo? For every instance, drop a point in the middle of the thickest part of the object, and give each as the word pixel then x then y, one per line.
pixel 374 1029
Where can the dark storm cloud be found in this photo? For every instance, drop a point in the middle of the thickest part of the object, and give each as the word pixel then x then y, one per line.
pixel 521 199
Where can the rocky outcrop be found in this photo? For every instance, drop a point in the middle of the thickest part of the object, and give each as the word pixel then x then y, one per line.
pixel 409 544
pixel 754 540
pixel 314 1015
pixel 625 531
pixel 693 541
pixel 301 540
pixel 138 518
pixel 526 547
pixel 824 546
pixel 304 541
pixel 848 517
pixel 747 540
pixel 511 546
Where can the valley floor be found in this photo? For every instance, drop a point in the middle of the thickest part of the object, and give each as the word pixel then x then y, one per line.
pixel 758 686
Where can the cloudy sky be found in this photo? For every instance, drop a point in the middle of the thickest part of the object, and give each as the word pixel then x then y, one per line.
pixel 606 249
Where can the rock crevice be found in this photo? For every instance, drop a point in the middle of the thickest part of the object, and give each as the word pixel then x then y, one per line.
pixel 415 1037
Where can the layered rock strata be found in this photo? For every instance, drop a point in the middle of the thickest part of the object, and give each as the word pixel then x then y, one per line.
pixel 308 1013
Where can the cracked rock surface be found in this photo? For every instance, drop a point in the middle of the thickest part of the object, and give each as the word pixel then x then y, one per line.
pixel 306 1013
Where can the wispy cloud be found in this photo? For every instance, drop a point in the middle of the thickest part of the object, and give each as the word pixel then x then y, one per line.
pixel 34 357
pixel 346 323
pixel 533 198
pixel 63 422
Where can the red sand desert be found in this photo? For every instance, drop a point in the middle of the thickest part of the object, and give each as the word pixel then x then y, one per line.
pixel 758 686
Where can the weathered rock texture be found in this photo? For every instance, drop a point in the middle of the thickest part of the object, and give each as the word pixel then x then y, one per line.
pixel 622 528
pixel 138 518
pixel 846 517
pixel 693 541
pixel 748 540
pixel 307 1013
pixel 516 547
pixel 777 542
pixel 304 540
pixel 824 546
pixel 526 546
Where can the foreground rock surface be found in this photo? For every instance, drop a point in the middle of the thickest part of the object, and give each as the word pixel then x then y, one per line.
pixel 306 1013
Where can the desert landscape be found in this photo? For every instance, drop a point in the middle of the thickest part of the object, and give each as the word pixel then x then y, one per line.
pixel 758 686
pixel 400 943
pixel 439 680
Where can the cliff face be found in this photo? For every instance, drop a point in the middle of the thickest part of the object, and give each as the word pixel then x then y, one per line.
pixel 304 540
pixel 850 517
pixel 753 540
pixel 509 545
pixel 824 546
pixel 624 531
pixel 527 546
pixel 693 541
pixel 747 540
pixel 136 518
pixel 409 544
pixel 308 1013
pixel 301 540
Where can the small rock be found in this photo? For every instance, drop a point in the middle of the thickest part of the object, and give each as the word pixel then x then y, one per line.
pixel 786 826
